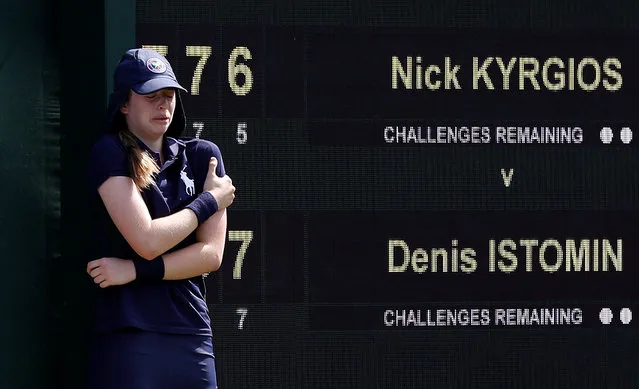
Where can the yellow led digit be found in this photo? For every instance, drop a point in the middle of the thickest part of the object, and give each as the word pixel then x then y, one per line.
pixel 245 237
pixel 204 52
pixel 235 69
pixel 162 49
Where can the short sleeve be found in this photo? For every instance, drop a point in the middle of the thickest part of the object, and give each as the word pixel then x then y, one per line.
pixel 199 152
pixel 202 150
pixel 108 158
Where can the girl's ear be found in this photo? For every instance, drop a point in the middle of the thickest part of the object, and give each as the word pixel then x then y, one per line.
pixel 124 108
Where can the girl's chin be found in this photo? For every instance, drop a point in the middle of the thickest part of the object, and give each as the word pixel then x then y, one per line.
pixel 160 127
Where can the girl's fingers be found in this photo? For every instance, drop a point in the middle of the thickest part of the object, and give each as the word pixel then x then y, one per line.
pixel 99 279
pixel 95 272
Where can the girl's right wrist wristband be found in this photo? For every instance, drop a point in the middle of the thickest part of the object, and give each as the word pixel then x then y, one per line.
pixel 204 206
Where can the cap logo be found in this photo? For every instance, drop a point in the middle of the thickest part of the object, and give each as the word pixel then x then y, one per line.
pixel 155 65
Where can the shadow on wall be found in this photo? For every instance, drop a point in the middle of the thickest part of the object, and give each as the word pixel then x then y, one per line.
pixel 51 72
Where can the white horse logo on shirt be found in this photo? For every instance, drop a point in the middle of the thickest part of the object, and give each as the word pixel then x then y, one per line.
pixel 190 184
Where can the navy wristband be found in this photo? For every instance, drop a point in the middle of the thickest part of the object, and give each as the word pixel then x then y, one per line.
pixel 149 270
pixel 203 206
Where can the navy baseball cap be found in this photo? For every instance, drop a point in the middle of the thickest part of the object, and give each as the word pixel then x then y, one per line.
pixel 144 71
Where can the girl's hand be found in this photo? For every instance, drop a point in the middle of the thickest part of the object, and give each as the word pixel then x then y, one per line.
pixel 111 271
pixel 220 187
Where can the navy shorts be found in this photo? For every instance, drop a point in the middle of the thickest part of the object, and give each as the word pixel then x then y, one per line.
pixel 134 359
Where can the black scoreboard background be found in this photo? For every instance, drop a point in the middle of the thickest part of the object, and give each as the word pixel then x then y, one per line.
pixel 428 195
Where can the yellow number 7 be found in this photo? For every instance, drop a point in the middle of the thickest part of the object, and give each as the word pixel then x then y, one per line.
pixel 204 52
pixel 245 236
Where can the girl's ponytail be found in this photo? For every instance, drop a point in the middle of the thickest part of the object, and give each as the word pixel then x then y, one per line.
pixel 142 165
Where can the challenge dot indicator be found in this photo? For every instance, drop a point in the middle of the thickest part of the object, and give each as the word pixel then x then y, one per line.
pixel 626 135
pixel 606 135
pixel 605 315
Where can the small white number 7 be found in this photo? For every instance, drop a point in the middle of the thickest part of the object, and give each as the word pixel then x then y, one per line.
pixel 242 312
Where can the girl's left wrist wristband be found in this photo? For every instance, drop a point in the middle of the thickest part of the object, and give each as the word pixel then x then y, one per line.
pixel 149 270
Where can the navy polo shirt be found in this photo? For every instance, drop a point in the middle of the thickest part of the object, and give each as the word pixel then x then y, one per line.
pixel 160 306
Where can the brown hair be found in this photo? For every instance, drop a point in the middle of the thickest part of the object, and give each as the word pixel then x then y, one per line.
pixel 141 165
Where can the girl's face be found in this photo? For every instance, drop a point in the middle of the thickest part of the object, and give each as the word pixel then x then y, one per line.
pixel 149 116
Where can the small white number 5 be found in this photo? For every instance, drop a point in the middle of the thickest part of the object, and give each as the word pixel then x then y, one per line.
pixel 242 135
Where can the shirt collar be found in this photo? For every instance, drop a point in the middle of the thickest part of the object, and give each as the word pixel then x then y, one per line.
pixel 172 149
